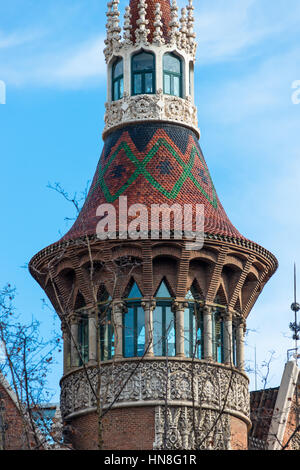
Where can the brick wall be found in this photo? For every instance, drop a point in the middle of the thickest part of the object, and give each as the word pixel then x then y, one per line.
pixel 123 429
pixel 14 437
pixel 239 434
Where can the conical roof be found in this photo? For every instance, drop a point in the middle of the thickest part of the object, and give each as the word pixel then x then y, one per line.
pixel 153 163
pixel 150 16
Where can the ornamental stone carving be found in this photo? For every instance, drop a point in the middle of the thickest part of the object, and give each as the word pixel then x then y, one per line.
pixel 126 383
pixel 184 428
pixel 157 107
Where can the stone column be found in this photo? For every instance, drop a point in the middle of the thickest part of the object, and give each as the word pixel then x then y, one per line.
pixel 227 319
pixel 207 333
pixel 74 320
pixel 149 306
pixel 67 349
pixel 240 344
pixel 178 308
pixel 118 308
pixel 93 332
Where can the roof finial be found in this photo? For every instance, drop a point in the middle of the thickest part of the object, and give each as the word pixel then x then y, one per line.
pixel 183 29
pixel 142 32
pixel 127 26
pixel 116 30
pixel 174 25
pixel 158 34
pixel 113 28
pixel 190 28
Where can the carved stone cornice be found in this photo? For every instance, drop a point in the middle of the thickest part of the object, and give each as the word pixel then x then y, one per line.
pixel 156 107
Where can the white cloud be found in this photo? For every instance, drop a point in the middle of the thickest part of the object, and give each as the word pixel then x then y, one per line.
pixel 226 28
pixel 266 88
pixel 15 39
pixel 69 66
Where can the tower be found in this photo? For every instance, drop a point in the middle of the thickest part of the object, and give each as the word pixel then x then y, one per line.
pixel 153 326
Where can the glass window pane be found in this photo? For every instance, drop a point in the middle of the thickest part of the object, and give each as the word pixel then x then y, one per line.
pixel 200 335
pixel 218 339
pixel 157 331
pixel 148 83
pixel 107 338
pixel 140 332
pixel 163 291
pixel 143 61
pixel 172 63
pixel 187 333
pixel 167 84
pixel 116 90
pixel 84 339
pixel 129 333
pixel 170 333
pixel 137 84
pixel 118 69
pixel 121 88
pixel 135 292
pixel 176 86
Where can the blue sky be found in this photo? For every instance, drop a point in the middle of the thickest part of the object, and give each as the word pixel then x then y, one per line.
pixel 50 130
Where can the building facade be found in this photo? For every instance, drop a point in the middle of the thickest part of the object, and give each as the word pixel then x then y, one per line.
pixel 153 325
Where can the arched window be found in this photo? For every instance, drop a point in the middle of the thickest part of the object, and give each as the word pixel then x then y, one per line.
pixel 107 335
pixel 117 80
pixel 134 324
pixel 83 339
pixel 164 342
pixel 143 73
pixel 172 75
pixel 193 327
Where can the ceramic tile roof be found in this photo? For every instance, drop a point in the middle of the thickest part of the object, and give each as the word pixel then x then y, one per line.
pixel 150 16
pixel 153 163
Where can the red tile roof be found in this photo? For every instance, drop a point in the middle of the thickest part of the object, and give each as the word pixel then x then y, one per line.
pixel 153 163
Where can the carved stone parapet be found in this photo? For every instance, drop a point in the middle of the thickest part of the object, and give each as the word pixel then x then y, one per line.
pixel 157 107
pixel 215 387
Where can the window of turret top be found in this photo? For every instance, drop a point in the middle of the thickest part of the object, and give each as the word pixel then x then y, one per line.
pixel 107 335
pixel 143 73
pixel 193 327
pixel 117 80
pixel 164 335
pixel 134 324
pixel 172 75
pixel 83 340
